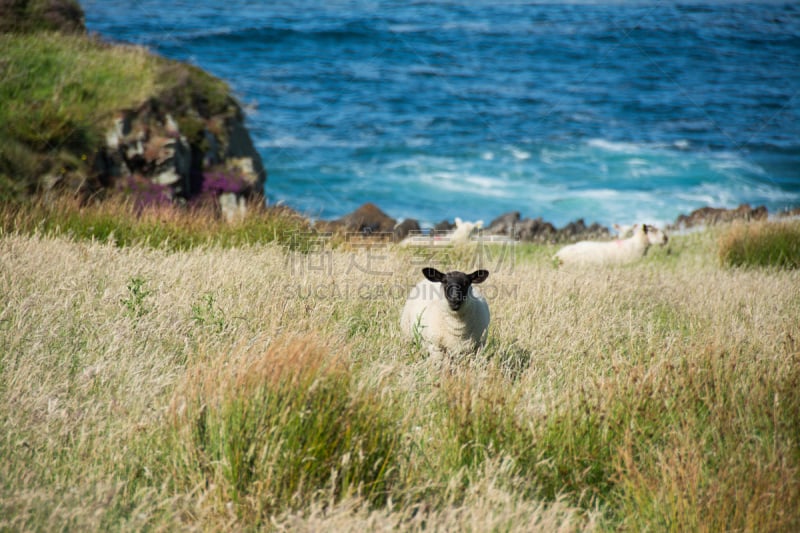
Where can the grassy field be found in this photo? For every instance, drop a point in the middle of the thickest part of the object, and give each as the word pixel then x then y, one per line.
pixel 254 385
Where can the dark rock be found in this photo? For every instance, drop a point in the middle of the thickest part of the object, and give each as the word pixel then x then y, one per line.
pixel 578 230
pixel 366 220
pixel 64 15
pixel 708 216
pixel 535 230
pixel 402 230
pixel 788 213
pixel 240 146
pixel 573 230
pixel 172 143
pixel 26 16
pixel 444 225
pixel 504 224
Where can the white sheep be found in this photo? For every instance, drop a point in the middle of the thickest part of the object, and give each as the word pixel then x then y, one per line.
pixel 623 230
pixel 612 252
pixel 461 235
pixel 464 230
pixel 448 314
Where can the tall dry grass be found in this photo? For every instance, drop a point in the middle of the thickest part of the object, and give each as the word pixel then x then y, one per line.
pixel 257 387
pixel 120 220
pixel 762 244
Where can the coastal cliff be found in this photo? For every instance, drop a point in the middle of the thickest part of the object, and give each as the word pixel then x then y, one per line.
pixel 87 117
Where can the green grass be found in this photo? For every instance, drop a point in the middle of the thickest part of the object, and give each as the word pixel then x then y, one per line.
pixel 242 386
pixel 279 431
pixel 58 91
pixel 774 244
pixel 120 222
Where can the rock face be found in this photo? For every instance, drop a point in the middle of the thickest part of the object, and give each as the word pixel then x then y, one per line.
pixel 167 150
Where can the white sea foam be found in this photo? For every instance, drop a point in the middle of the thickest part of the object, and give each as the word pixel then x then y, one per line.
pixel 406 28
pixel 681 144
pixel 317 141
pixel 467 184
pixel 614 146
pixel 520 155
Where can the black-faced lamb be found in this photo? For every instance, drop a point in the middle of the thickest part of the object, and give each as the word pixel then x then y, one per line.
pixel 447 313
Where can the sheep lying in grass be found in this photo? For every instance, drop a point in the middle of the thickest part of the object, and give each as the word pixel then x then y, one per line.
pixel 612 252
pixel 446 313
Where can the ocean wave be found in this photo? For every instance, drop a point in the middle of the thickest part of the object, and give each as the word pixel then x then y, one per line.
pixel 620 146
pixel 316 141
pixel 272 34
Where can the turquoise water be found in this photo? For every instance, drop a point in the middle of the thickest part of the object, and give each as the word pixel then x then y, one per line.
pixel 617 112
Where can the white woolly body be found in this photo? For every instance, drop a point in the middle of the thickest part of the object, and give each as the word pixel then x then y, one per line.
pixel 611 252
pixel 442 330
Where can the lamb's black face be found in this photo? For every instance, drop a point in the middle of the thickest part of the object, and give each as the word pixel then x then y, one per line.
pixel 456 284
pixel 456 289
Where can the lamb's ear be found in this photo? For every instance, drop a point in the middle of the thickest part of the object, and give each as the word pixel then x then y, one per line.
pixel 479 276
pixel 647 228
pixel 433 275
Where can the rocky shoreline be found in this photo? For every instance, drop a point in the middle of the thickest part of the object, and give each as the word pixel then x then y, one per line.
pixel 370 220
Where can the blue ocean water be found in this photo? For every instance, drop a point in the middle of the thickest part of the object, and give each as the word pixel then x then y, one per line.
pixel 612 112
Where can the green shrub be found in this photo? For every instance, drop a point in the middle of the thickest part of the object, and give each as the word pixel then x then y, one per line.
pixel 762 244
pixel 281 430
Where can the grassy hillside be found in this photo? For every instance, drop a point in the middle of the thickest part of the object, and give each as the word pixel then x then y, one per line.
pixel 213 387
pixel 59 94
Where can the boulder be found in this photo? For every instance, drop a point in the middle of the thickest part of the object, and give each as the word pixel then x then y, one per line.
pixel 513 225
pixel 534 230
pixel 402 230
pixel 366 220
pixel 578 230
pixel 444 225
pixel 505 224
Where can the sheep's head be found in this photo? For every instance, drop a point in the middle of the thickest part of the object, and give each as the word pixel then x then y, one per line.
pixel 456 284
pixel 655 235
